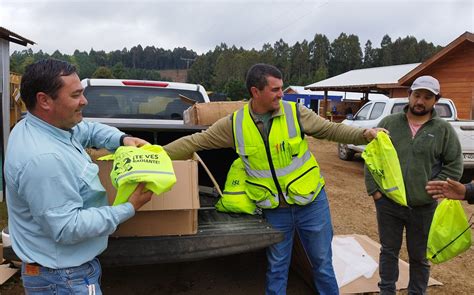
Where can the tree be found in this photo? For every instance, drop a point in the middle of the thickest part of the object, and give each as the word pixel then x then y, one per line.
pixel 345 54
pixel 266 54
pixel 103 73
pixel 370 55
pixel 118 71
pixel 235 89
pixel 426 50
pixel 201 71
pixel 281 52
pixel 300 67
pixel 385 52
pixel 320 53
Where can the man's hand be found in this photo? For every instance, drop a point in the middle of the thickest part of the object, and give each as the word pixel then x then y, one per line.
pixel 370 134
pixel 134 141
pixel 377 195
pixel 139 198
pixel 446 189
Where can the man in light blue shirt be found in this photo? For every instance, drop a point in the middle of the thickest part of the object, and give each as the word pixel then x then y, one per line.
pixel 59 218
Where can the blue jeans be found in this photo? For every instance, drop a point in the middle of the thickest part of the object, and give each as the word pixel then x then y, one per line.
pixel 63 281
pixel 392 218
pixel 313 225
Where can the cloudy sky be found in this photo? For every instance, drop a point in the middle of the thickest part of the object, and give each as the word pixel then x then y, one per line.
pixel 201 25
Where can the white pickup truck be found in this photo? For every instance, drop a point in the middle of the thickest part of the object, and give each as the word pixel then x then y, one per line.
pixel 372 113
pixel 153 110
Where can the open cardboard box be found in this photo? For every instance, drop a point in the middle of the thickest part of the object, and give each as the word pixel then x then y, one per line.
pixel 6 271
pixel 209 112
pixel 171 213
pixel 300 263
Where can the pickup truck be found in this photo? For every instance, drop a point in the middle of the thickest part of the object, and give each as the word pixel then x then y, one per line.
pixel 372 113
pixel 153 110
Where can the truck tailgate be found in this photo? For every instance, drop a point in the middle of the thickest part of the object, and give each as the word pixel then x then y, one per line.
pixel 218 234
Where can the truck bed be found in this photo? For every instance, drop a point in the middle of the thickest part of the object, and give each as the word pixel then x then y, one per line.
pixel 219 234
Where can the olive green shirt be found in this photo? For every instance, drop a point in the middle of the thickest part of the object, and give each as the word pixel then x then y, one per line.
pixel 433 154
pixel 220 134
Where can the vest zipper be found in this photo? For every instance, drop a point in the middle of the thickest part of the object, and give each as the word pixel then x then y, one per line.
pixel 288 186
pixel 269 158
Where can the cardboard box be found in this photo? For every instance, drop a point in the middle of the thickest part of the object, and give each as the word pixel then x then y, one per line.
pixel 209 112
pixel 171 213
pixel 6 271
pixel 300 263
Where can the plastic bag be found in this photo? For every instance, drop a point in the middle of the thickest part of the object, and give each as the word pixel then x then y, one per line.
pixel 382 162
pixel 132 165
pixel 450 232
pixel 234 199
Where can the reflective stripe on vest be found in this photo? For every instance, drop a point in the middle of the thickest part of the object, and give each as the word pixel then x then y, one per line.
pixel 292 132
pixel 296 170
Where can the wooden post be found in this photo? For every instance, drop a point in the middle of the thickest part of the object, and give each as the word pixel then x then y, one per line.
pixel 325 105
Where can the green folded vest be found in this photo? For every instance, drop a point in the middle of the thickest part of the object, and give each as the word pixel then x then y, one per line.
pixel 382 162
pixel 132 165
pixel 234 199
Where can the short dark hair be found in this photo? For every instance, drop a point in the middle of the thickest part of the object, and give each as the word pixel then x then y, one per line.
pixel 43 76
pixel 257 76
pixel 437 96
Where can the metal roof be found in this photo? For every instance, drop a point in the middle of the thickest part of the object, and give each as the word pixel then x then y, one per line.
pixel 300 90
pixel 365 79
pixel 13 37
pixel 344 94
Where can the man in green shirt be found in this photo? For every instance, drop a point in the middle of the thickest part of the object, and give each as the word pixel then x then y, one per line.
pixel 428 149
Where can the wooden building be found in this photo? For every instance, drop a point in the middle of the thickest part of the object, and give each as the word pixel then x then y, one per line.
pixel 453 66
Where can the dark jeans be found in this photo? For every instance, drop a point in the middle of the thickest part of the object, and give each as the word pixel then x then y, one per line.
pixel 314 227
pixel 392 218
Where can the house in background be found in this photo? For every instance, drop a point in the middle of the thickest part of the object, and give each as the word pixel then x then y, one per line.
pixel 340 104
pixel 453 66
pixel 372 81
pixel 311 99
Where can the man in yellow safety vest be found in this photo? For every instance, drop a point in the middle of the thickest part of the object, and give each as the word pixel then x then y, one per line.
pixel 283 177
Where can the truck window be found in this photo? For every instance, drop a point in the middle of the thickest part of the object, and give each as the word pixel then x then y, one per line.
pixel 137 102
pixel 443 109
pixel 363 113
pixel 398 107
pixel 377 110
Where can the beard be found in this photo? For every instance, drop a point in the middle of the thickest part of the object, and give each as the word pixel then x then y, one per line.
pixel 421 111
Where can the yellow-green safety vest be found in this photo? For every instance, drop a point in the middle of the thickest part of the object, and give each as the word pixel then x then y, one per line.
pixel 382 162
pixel 234 199
pixel 149 163
pixel 281 166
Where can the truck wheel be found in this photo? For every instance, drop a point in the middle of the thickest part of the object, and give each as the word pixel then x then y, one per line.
pixel 344 152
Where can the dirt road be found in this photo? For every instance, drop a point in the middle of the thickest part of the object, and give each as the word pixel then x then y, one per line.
pixel 352 212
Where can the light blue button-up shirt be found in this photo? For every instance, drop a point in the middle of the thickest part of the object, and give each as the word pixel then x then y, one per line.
pixel 58 215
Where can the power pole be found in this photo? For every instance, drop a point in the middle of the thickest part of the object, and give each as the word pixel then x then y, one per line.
pixel 188 60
